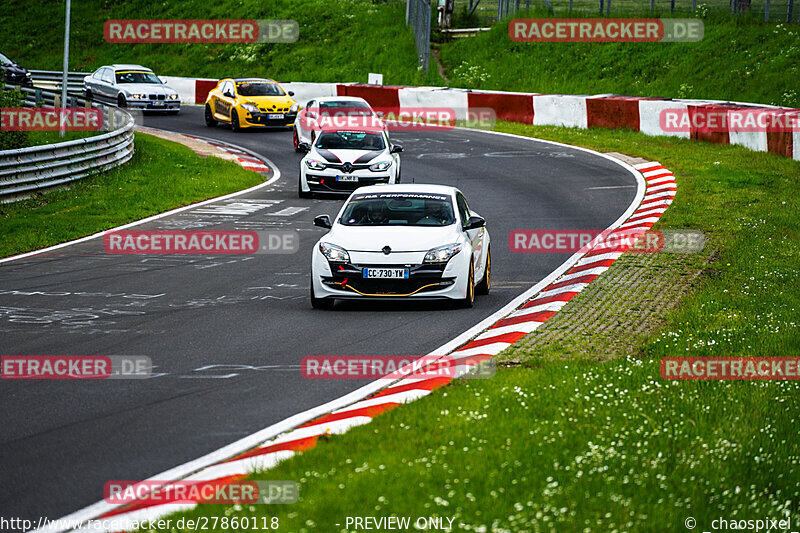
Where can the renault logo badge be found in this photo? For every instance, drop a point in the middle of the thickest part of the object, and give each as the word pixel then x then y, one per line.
pixel 386 250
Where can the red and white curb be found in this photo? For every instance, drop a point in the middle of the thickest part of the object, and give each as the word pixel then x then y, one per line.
pixel 244 159
pixel 660 190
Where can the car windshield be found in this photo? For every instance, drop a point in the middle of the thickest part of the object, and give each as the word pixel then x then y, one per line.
pixel 258 88
pixel 399 209
pixel 350 140
pixel 5 60
pixel 347 108
pixel 136 76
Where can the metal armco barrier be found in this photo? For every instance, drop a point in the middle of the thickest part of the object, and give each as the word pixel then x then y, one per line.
pixel 52 80
pixel 38 167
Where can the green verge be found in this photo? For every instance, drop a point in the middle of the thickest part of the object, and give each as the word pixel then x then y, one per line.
pixel 571 444
pixel 340 41
pixel 161 175
pixel 756 64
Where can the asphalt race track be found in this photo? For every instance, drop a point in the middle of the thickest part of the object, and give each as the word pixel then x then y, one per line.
pixel 227 333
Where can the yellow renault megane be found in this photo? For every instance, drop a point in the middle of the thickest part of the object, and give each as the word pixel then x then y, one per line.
pixel 250 102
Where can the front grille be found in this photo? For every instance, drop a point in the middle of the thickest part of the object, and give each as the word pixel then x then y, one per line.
pixel 421 279
pixel 333 185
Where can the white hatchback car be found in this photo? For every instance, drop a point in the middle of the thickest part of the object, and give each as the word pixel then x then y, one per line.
pixel 333 112
pixel 341 161
pixel 402 241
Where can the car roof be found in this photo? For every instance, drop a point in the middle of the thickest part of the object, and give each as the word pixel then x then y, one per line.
pixel 340 99
pixel 130 67
pixel 409 187
pixel 237 80
pixel 368 129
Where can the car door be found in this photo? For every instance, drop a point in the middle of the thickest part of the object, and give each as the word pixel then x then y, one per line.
pixel 476 236
pixel 225 101
pixel 98 86
pixel 109 84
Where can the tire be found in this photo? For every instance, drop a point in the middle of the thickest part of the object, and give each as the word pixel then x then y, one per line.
pixel 486 283
pixel 121 102
pixel 235 121
pixel 88 95
pixel 319 303
pixel 295 140
pixel 209 116
pixel 300 192
pixel 469 298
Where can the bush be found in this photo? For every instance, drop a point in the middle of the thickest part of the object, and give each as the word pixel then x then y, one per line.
pixel 10 140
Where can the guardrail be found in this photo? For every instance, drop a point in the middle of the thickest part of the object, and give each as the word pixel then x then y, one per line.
pixel 38 167
pixel 52 80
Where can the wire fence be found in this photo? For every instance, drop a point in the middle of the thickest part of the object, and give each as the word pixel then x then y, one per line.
pixel 418 16
pixel 482 12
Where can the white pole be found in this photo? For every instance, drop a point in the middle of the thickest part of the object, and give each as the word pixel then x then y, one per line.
pixel 66 69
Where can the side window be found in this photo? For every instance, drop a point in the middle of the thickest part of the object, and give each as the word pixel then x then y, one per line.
pixel 463 209
pixel 312 113
pixel 108 75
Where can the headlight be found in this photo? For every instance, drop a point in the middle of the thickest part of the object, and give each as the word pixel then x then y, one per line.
pixel 294 108
pixel 172 96
pixel 377 167
pixel 313 164
pixel 138 96
pixel 334 253
pixel 441 254
pixel 250 107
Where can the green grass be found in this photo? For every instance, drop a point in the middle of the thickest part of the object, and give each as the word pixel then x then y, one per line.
pixel 340 40
pixel 572 445
pixel 161 175
pixel 343 40
pixel 758 63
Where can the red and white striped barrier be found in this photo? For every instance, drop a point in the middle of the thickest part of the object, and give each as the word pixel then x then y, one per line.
pixel 605 111
pixel 658 195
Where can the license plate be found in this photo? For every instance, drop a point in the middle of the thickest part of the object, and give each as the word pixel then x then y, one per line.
pixel 347 178
pixel 275 116
pixel 386 273
pixel 159 103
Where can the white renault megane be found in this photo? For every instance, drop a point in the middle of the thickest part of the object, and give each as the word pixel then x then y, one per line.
pixel 341 161
pixel 402 241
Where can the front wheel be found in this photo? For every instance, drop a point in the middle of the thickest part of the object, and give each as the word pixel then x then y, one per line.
pixel 235 121
pixel 88 95
pixel 121 102
pixel 295 140
pixel 209 116
pixel 486 283
pixel 469 298
pixel 300 192
pixel 320 303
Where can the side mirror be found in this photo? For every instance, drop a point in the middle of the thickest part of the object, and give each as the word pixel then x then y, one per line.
pixel 323 221
pixel 305 147
pixel 475 223
pixel 291 93
pixel 396 148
